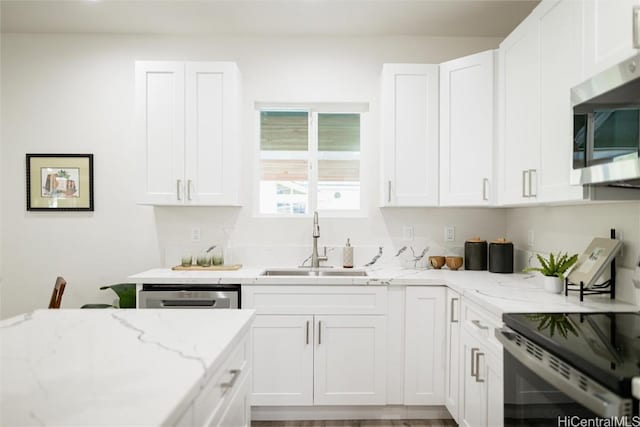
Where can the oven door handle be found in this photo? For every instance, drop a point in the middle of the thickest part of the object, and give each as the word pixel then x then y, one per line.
pixel 599 400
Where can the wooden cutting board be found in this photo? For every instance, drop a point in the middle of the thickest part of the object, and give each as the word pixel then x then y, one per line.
pixel 230 267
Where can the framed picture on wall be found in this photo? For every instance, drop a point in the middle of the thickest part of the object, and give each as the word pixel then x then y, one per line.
pixel 59 182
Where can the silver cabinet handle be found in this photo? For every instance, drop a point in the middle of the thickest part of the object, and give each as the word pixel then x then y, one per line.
pixel 531 177
pixel 319 332
pixel 453 320
pixel 485 184
pixel 474 369
pixel 178 189
pixel 307 332
pixel 229 385
pixel 478 354
pixel 479 325
pixel 188 189
pixel 636 27
pixel 524 183
pixel 389 192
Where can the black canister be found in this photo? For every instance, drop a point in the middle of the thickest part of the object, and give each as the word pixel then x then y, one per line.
pixel 501 256
pixel 475 254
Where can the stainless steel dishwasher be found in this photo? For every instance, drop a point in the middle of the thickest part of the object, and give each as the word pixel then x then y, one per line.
pixel 189 296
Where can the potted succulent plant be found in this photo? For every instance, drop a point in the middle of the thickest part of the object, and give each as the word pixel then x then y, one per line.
pixel 553 269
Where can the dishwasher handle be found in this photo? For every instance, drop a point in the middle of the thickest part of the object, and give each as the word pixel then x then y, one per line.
pixel 209 303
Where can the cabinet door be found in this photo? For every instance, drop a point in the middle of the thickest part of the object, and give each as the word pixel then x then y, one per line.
pixel 409 135
pixel 495 391
pixel 473 400
pixel 211 133
pixel 425 338
pixel 560 24
pixel 608 30
pixel 350 360
pixel 160 131
pixel 282 360
pixel 519 117
pixel 466 129
pixel 453 353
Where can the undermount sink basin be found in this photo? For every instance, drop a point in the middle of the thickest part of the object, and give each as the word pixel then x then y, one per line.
pixel 310 272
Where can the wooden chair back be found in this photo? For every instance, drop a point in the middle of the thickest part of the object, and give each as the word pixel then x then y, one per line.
pixel 56 295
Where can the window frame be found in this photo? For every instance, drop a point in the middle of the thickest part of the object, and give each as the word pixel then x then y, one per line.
pixel 313 110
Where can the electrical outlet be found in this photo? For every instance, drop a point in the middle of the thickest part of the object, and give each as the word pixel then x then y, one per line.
pixel 449 233
pixel 531 238
pixel 407 233
pixel 195 234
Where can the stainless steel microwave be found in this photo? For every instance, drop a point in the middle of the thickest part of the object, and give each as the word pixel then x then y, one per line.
pixel 606 127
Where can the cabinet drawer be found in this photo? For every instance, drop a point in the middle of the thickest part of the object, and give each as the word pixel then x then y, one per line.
pixel 481 325
pixel 215 395
pixel 315 299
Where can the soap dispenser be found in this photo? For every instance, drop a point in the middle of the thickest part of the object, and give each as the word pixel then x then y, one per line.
pixel 347 255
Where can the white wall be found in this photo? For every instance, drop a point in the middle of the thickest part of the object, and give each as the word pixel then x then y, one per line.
pixel 571 229
pixel 74 93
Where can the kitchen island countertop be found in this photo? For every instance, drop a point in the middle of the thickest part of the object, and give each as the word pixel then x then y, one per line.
pixel 111 367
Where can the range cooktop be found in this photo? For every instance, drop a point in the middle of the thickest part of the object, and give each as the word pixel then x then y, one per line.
pixel 606 346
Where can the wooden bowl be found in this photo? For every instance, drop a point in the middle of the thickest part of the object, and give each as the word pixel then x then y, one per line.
pixel 436 262
pixel 454 262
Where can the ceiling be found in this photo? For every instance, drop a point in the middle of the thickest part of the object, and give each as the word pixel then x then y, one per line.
pixel 267 17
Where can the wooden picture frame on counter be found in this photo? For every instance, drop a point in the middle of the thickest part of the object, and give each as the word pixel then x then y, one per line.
pixel 59 182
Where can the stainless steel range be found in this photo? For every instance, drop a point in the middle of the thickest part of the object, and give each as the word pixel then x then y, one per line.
pixel 570 366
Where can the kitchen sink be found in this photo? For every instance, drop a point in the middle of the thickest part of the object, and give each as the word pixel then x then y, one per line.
pixel 309 272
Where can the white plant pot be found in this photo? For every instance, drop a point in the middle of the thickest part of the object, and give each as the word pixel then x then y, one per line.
pixel 553 284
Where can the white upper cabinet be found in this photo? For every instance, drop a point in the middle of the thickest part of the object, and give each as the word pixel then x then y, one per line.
pixel 608 33
pixel 160 129
pixel 409 136
pixel 560 25
pixel 519 76
pixel 187 118
pixel 467 130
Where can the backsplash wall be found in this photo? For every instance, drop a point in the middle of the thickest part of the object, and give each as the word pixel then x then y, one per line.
pixel 571 229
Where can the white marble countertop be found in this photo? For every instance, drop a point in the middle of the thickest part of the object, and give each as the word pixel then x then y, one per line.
pixel 110 367
pixel 498 293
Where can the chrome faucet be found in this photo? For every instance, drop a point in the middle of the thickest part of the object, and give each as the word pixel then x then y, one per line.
pixel 315 258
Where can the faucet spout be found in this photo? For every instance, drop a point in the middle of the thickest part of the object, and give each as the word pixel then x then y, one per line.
pixel 315 258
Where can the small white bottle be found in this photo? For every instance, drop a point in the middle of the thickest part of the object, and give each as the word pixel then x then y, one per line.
pixel 347 255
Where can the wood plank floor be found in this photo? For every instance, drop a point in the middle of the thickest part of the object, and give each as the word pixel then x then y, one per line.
pixel 356 423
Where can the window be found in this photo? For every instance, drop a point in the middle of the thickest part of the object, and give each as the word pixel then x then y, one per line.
pixel 309 160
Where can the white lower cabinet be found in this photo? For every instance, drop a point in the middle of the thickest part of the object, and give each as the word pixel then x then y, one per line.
pixel 283 360
pixel 480 384
pixel 424 374
pixel 369 345
pixel 349 365
pixel 225 399
pixel 473 411
pixel 480 370
pixel 332 353
pixel 452 356
pixel 238 413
